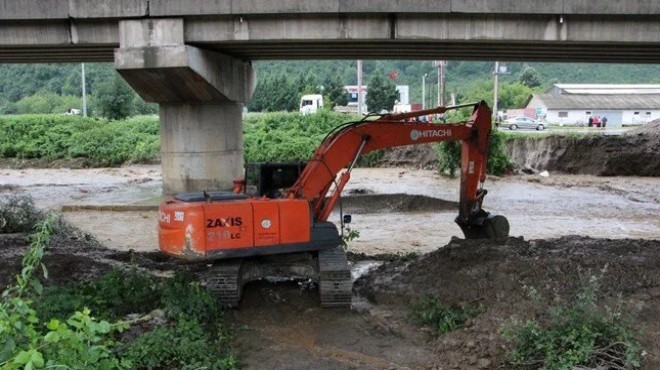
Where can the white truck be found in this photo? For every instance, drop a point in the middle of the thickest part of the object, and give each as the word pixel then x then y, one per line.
pixel 310 104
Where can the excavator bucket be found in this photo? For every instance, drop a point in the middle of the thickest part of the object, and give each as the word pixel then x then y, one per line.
pixel 486 226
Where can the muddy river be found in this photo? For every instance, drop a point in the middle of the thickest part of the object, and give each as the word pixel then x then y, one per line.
pixel 537 207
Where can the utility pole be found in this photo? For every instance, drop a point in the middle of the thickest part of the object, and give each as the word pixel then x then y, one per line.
pixel 499 70
pixel 84 92
pixel 359 87
pixel 441 81
pixel 424 91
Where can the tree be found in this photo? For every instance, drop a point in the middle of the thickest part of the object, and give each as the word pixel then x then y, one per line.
pixel 381 93
pixel 114 99
pixel 530 77
pixel 334 92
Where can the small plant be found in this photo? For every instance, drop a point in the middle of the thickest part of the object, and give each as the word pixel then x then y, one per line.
pixel 348 236
pixel 431 312
pixel 577 334
pixel 410 256
pixel 18 214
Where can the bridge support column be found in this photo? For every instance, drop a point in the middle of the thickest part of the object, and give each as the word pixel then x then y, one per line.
pixel 201 95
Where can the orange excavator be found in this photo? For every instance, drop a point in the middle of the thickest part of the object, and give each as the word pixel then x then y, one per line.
pixel 275 221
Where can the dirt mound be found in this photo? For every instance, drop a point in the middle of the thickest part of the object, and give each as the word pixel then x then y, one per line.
pixel 652 128
pixel 501 276
pixel 633 154
pixel 424 156
pixel 74 256
pixel 378 203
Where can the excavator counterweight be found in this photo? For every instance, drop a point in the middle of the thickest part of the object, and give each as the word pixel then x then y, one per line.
pixel 281 210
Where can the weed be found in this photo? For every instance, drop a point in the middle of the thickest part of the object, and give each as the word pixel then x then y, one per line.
pixel 185 345
pixel 18 214
pixel 409 256
pixel 430 311
pixel 348 235
pixel 449 156
pixel 579 333
pixel 79 342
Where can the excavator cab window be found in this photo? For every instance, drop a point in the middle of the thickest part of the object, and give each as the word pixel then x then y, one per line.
pixel 271 179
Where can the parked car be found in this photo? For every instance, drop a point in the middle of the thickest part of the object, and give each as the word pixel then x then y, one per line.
pixel 515 123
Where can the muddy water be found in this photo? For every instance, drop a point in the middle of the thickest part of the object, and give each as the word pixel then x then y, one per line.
pixel 536 207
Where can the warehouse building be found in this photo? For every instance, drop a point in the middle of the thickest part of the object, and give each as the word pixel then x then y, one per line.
pixel 570 104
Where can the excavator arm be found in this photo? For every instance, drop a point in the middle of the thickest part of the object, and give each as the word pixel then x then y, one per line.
pixel 347 143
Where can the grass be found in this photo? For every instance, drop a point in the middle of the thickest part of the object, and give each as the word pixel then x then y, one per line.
pixel 578 334
pixel 431 312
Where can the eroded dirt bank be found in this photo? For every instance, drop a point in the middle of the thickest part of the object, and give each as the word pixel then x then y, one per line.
pixel 636 153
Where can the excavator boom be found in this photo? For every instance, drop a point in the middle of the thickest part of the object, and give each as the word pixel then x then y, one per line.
pixel 346 144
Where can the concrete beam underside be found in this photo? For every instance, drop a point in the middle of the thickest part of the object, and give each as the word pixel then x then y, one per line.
pixel 532 37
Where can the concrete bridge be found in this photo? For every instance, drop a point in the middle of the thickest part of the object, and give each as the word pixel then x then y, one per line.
pixel 193 57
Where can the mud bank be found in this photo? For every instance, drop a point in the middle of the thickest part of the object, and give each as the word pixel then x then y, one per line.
pixel 500 277
pixel 628 155
pixel 637 153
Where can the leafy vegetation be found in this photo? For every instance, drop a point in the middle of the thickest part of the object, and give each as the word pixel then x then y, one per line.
pixel 576 334
pixel 114 99
pixel 102 142
pixel 381 93
pixel 123 320
pixel 18 214
pixel 430 311
pixel 449 152
pixel 286 136
pixel 185 322
pixel 77 342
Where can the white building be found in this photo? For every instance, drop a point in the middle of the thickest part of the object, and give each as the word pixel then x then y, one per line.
pixel 621 104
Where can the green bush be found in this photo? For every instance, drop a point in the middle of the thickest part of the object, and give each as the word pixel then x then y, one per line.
pixel 77 342
pixel 449 156
pixel 430 311
pixel 275 137
pixel 578 333
pixel 104 142
pixel 193 335
pixel 18 214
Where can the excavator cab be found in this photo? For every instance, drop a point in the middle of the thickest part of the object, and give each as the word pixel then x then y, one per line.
pixel 271 179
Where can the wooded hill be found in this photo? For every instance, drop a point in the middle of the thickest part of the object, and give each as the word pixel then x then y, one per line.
pixel 466 80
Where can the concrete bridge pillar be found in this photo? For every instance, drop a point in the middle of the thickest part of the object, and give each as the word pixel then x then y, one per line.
pixel 201 95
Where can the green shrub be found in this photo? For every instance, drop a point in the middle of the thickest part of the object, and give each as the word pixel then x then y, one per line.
pixel 186 345
pixel 103 142
pixel 275 137
pixel 193 335
pixel 18 214
pixel 78 342
pixel 430 311
pixel 579 333
pixel 449 155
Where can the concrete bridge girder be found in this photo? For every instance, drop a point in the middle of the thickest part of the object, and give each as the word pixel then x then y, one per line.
pixel 201 95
